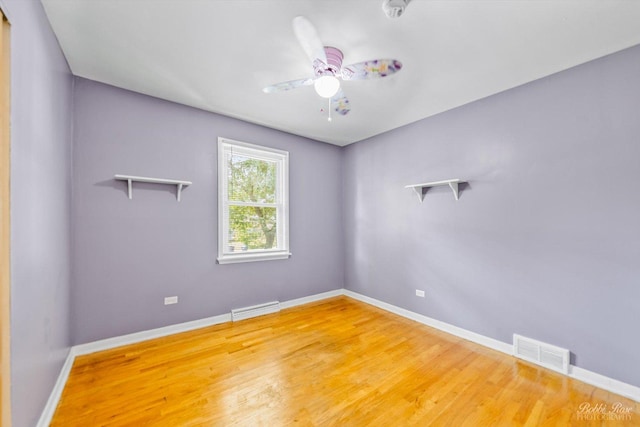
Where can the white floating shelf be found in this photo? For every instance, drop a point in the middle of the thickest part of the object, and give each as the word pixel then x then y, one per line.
pixel 131 178
pixel 419 188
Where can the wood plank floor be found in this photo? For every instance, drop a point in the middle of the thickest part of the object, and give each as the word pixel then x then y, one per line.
pixel 334 362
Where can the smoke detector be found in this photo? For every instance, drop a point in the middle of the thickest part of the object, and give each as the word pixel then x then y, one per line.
pixel 394 8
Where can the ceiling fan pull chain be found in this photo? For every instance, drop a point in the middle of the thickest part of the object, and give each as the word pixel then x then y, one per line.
pixel 329 118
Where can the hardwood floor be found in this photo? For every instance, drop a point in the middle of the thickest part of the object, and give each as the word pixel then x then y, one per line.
pixel 335 362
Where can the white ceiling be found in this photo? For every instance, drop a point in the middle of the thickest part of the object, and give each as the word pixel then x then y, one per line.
pixel 217 55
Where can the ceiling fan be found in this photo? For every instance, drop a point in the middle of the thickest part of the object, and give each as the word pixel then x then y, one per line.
pixel 328 69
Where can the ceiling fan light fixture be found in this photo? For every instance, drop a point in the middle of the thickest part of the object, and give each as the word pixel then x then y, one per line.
pixel 326 86
pixel 394 8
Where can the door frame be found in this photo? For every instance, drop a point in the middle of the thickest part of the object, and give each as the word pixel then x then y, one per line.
pixel 5 221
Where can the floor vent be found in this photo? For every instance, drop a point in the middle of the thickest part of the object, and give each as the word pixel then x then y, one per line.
pixel 255 310
pixel 543 354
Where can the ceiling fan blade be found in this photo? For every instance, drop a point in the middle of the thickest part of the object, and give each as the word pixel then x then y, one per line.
pixel 308 38
pixel 340 103
pixel 371 69
pixel 291 84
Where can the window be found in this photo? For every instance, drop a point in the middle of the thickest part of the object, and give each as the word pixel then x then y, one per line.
pixel 253 208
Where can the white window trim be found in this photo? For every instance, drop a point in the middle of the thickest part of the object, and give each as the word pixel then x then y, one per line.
pixel 223 221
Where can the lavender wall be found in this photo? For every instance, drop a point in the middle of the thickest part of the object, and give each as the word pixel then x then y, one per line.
pixel 40 209
pixel 544 240
pixel 130 254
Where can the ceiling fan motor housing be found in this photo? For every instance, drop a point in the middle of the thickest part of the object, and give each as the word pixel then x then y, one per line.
pixel 333 65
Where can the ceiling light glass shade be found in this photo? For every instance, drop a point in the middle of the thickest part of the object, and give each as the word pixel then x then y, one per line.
pixel 394 8
pixel 327 86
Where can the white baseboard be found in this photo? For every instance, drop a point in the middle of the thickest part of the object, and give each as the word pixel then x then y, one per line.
pixel 137 337
pixel 56 393
pixel 610 384
pixel 601 381
pixel 584 375
pixel 312 298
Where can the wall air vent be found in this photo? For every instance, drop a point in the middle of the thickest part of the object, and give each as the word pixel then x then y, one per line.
pixel 540 353
pixel 254 311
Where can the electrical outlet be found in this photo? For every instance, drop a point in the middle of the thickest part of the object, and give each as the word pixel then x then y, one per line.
pixel 170 300
pixel 419 293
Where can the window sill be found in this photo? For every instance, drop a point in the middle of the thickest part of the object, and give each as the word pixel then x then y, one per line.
pixel 265 256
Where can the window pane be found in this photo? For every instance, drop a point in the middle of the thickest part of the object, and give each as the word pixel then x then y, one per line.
pixel 251 228
pixel 251 180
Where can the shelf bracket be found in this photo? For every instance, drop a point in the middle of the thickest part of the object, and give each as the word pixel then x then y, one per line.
pixel 454 188
pixel 179 191
pixel 419 192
